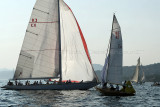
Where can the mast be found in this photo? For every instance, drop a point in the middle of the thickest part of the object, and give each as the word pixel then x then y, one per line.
pixel 139 70
pixel 60 57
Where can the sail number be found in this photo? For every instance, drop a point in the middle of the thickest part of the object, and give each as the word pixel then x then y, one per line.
pixel 33 23
pixel 117 35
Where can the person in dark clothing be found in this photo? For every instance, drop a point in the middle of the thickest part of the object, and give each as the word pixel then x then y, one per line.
pixel 10 83
pixel 124 85
pixel 112 87
pixel 117 88
pixel 104 85
pixel 16 83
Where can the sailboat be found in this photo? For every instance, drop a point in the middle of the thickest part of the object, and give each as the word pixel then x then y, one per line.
pixel 139 76
pixel 54 48
pixel 156 84
pixel 112 69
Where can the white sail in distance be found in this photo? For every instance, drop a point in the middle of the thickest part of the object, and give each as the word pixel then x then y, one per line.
pixel 136 73
pixel 114 70
pixel 39 56
pixel 143 77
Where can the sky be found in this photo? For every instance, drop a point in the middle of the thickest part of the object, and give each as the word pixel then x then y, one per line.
pixel 139 21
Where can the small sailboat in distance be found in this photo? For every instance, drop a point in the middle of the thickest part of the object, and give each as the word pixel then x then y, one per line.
pixel 112 69
pixel 54 48
pixel 139 76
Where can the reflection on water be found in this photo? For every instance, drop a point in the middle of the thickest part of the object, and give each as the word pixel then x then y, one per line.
pixel 145 96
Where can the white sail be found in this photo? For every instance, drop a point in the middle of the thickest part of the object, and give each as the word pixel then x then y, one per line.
pixel 136 73
pixel 143 77
pixel 76 62
pixel 39 56
pixel 114 71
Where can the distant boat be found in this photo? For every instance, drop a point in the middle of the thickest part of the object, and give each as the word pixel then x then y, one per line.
pixel 54 48
pixel 156 84
pixel 112 69
pixel 139 76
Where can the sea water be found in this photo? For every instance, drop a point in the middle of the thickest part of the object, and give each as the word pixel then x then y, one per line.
pixel 146 95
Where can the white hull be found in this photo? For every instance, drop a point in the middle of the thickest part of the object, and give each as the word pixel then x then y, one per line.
pixel 63 86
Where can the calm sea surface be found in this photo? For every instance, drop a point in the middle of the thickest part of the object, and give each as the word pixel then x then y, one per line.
pixel 146 96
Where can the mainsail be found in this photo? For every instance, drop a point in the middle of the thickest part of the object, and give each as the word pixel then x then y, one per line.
pixel 114 68
pixel 44 54
pixel 39 54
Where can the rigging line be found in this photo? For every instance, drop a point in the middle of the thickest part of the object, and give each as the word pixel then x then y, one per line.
pixel 73 52
pixel 45 22
pixel 61 51
pixel 41 50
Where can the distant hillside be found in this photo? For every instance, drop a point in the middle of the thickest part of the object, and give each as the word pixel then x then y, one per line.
pixel 152 72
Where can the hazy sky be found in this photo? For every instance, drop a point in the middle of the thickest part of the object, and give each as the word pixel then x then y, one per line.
pixel 139 21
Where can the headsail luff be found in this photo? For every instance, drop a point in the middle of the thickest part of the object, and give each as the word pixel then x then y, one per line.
pixel 114 71
pixel 135 76
pixel 39 57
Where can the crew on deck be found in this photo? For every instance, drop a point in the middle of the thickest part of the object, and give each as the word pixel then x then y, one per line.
pixel 10 83
pixel 117 88
pixel 105 85
pixel 112 87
